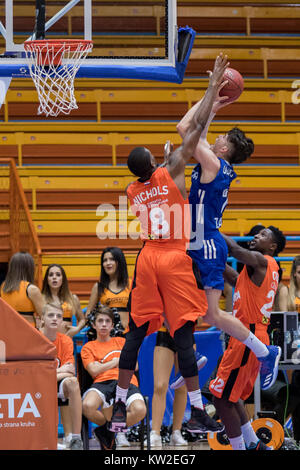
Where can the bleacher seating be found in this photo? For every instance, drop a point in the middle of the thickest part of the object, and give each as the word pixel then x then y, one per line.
pixel 224 17
pixel 84 187
pixel 155 105
pixel 110 143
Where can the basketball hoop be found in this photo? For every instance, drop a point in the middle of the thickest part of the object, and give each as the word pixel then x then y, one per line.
pixel 53 65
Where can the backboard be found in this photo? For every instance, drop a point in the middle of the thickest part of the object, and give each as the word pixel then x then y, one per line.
pixel 132 39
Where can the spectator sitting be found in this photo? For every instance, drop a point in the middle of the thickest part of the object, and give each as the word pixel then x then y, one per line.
pixel 112 289
pixel 56 292
pixel 67 383
pixel 101 359
pixel 19 291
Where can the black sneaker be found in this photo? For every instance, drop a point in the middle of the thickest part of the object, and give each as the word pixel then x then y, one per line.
pixel 118 419
pixel 259 446
pixel 105 437
pixel 200 422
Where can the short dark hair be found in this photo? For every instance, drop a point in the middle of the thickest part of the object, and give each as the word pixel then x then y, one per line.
pixel 103 310
pixel 243 146
pixel 279 239
pixel 139 162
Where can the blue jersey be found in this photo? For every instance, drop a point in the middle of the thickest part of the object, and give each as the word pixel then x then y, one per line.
pixel 207 246
pixel 208 200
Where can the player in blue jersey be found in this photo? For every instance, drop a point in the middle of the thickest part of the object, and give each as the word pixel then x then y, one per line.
pixel 211 179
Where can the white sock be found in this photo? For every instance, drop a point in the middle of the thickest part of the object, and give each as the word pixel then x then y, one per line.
pixel 237 443
pixel 196 399
pixel 68 437
pixel 121 394
pixel 256 346
pixel 76 436
pixel 249 434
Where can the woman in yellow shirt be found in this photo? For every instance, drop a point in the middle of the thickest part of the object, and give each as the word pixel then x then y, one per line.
pixel 18 289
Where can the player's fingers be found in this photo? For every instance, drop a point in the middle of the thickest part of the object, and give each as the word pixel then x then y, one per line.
pixel 223 84
pixel 223 98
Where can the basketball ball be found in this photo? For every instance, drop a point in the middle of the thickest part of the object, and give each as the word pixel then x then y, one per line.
pixel 233 89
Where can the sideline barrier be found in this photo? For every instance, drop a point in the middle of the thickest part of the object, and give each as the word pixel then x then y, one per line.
pixel 28 399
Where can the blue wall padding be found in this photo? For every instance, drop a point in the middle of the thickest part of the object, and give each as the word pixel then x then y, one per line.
pixel 208 343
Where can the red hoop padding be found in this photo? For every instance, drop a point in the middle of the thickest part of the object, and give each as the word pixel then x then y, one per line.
pixel 51 51
pixel 53 65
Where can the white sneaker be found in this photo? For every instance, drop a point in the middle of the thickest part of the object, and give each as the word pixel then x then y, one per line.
pixel 155 440
pixel 121 440
pixel 66 440
pixel 61 446
pixel 177 439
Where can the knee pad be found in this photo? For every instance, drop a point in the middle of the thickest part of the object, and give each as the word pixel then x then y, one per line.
pixel 184 341
pixel 134 339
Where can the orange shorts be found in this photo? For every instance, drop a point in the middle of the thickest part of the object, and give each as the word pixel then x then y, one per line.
pixel 238 369
pixel 164 289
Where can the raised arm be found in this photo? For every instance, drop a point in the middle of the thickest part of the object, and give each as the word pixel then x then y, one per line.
pixel 251 258
pixel 183 125
pixel 180 157
pixel 230 275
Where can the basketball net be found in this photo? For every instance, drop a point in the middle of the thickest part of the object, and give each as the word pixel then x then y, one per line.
pixel 53 66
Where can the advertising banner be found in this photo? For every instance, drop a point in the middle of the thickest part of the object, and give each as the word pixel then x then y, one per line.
pixel 28 385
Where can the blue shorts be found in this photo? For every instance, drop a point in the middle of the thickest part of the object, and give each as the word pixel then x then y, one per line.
pixel 211 261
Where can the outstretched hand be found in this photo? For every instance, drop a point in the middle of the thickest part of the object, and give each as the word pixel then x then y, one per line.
pixel 221 63
pixel 220 101
pixel 216 80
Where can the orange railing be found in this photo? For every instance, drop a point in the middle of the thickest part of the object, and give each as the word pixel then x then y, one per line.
pixel 23 236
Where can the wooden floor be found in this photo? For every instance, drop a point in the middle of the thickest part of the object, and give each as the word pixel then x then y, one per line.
pixel 199 445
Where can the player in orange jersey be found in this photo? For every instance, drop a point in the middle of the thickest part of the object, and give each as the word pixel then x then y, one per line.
pixel 255 289
pixel 164 288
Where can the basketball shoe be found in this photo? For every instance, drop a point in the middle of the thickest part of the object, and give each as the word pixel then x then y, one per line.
pixel 105 437
pixel 200 422
pixel 269 367
pixel 118 419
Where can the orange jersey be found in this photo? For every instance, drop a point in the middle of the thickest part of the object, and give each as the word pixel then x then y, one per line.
pixel 297 304
pixel 104 352
pixel 19 299
pixel 64 347
pixel 115 299
pixel 251 303
pixel 163 213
